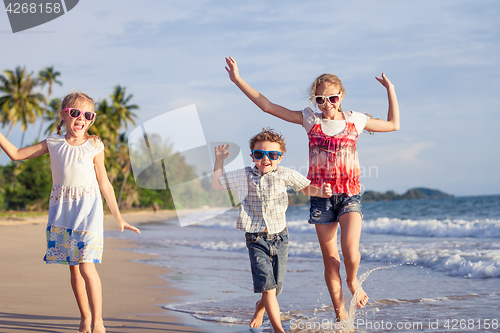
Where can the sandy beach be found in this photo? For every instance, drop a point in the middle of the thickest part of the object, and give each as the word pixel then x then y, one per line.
pixel 36 297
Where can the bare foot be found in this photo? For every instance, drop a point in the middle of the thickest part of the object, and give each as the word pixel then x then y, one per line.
pixel 99 328
pixel 341 313
pixel 84 326
pixel 361 296
pixel 258 315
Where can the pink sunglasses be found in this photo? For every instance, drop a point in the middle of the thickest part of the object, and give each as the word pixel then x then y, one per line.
pixel 75 113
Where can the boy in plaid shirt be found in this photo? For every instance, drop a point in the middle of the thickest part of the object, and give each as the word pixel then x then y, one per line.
pixel 263 195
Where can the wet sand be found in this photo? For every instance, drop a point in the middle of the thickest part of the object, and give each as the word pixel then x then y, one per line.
pixel 36 297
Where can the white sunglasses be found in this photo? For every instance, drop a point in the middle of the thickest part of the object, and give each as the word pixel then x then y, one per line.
pixel 321 99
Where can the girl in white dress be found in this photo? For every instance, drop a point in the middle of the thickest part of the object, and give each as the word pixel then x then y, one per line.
pixel 75 226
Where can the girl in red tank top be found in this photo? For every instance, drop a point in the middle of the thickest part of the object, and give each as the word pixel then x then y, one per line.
pixel 334 159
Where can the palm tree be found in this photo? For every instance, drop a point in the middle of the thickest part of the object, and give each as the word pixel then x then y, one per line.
pixel 107 129
pixel 108 124
pixel 109 121
pixel 19 102
pixel 48 76
pixel 51 115
pixel 104 127
pixel 122 115
pixel 112 116
pixel 133 196
pixel 122 111
pixel 123 158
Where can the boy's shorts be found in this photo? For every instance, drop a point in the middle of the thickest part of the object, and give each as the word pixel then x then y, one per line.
pixel 329 210
pixel 268 255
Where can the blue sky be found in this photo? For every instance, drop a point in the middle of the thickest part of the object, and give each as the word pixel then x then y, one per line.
pixel 442 56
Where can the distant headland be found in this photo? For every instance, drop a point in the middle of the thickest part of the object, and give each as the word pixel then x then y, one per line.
pixel 297 198
pixel 414 193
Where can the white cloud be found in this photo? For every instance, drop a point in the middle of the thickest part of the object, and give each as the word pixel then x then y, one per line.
pixel 402 154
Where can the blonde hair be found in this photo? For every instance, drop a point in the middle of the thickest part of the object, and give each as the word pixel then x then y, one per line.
pixel 72 100
pixel 333 80
pixel 326 78
pixel 268 134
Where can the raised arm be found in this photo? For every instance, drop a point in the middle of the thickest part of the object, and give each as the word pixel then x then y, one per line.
pixel 260 100
pixel 109 194
pixel 392 122
pixel 16 154
pixel 221 154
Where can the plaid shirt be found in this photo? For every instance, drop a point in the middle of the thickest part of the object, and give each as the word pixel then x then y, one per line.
pixel 263 198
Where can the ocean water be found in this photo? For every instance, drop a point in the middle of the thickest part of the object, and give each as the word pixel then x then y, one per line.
pixel 427 266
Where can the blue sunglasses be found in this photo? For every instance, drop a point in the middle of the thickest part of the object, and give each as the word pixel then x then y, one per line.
pixel 271 154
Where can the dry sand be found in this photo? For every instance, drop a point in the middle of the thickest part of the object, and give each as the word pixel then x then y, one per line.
pixel 36 297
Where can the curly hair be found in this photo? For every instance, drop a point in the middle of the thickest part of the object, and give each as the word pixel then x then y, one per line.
pixel 268 134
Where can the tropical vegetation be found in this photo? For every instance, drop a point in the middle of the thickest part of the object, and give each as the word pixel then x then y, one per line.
pixel 26 185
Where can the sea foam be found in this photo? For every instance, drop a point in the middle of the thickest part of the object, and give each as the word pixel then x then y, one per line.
pixel 487 228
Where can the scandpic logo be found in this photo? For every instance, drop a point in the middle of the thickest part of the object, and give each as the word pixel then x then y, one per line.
pixel 26 14
pixel 171 149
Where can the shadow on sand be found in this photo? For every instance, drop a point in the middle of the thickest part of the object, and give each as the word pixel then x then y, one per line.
pixel 14 322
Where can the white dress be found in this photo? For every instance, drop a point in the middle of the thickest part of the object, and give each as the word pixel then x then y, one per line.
pixel 75 226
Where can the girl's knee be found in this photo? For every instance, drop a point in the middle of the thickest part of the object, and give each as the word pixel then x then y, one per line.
pixel 87 270
pixel 332 264
pixel 352 255
pixel 75 271
pixel 268 293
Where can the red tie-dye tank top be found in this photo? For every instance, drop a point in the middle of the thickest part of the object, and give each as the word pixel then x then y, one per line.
pixel 334 159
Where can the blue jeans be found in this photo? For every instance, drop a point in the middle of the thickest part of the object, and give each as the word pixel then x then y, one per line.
pixel 329 210
pixel 268 255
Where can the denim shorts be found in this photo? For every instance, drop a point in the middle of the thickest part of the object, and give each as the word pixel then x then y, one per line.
pixel 268 255
pixel 329 210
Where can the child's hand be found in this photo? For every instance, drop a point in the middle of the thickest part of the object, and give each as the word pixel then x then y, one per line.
pixel 326 190
pixel 124 225
pixel 385 82
pixel 221 152
pixel 232 69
